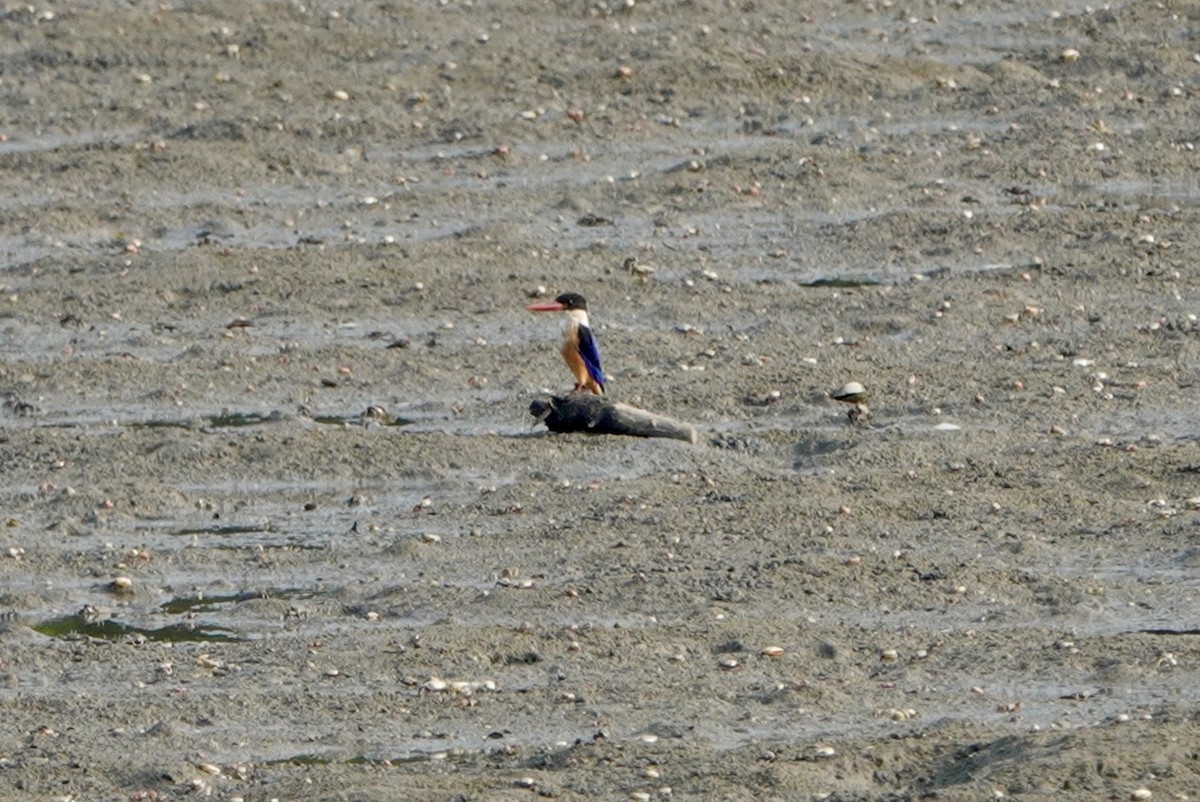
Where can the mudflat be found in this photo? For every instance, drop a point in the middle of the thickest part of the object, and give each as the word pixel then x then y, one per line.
pixel 278 523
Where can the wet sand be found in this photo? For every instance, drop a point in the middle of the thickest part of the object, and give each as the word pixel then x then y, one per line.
pixel 229 230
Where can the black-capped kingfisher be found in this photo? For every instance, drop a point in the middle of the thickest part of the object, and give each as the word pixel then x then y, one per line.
pixel 579 344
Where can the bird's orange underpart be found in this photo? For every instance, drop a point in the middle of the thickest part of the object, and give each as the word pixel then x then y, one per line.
pixel 583 379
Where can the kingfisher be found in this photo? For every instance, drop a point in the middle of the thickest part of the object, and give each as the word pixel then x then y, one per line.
pixel 579 344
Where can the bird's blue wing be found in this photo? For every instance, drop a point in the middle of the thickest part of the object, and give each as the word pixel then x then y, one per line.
pixel 590 354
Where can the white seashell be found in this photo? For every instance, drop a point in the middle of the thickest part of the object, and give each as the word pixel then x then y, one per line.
pixel 850 393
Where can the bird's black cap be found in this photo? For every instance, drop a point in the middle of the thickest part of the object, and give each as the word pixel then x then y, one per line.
pixel 572 300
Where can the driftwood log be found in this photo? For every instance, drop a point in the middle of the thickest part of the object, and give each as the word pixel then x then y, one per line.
pixel 592 414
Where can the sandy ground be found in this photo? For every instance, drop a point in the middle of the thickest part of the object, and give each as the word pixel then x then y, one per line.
pixel 230 228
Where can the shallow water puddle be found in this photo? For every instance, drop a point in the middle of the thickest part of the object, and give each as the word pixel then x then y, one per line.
pixel 411 756
pixel 226 530
pixel 110 629
pixel 203 603
pixel 223 420
pixel 238 537
pixel 85 624
pixel 383 419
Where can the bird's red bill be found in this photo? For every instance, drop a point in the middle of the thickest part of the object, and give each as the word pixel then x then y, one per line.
pixel 546 306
